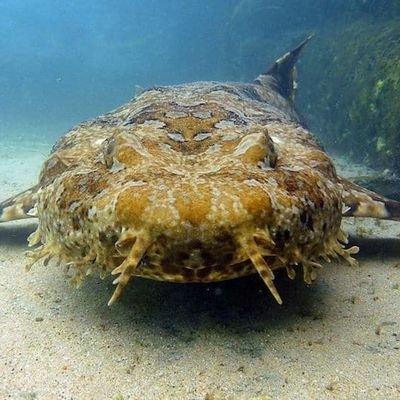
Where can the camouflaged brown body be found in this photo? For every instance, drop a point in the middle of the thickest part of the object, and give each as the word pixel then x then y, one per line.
pixel 195 183
pixel 199 168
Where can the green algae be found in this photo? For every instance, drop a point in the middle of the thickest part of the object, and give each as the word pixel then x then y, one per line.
pixel 349 75
pixel 352 77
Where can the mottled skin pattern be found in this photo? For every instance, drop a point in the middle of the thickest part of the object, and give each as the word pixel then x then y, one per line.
pixel 194 183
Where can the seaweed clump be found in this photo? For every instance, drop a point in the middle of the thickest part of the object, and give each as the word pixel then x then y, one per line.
pixel 351 91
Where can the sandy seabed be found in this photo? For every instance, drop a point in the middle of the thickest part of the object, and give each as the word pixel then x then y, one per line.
pixel 336 339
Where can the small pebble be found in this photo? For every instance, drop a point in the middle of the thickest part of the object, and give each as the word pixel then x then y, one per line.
pixel 379 328
pixel 331 386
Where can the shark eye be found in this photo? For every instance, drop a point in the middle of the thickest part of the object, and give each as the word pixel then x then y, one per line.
pixel 272 156
pixel 109 146
pixel 257 149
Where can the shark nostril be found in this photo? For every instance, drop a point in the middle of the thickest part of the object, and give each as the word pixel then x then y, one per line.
pixel 137 245
pixel 253 252
pixel 124 245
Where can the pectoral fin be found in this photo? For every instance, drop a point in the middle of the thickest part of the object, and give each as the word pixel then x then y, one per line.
pixel 20 206
pixel 360 202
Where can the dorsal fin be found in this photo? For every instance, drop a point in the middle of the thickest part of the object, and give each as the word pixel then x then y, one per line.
pixel 283 72
pixel 138 90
